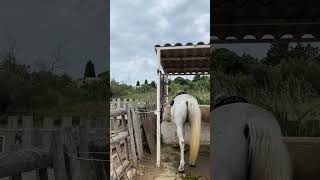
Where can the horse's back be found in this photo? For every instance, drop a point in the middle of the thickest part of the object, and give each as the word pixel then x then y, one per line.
pixel 183 98
pixel 245 112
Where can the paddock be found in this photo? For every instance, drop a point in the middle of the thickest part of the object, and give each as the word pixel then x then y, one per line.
pixel 54 148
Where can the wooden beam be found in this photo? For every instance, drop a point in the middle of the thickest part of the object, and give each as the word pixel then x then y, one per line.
pixel 200 58
pixel 137 133
pixel 132 140
pixel 117 112
pixel 244 41
pixel 17 162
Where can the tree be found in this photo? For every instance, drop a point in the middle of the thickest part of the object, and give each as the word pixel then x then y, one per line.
pixel 146 82
pixel 196 77
pixel 153 84
pixel 57 57
pixel 89 71
pixel 276 54
pixel 104 75
pixel 181 81
pixel 138 83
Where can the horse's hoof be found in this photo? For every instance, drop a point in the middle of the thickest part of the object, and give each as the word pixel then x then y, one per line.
pixel 192 163
pixel 181 169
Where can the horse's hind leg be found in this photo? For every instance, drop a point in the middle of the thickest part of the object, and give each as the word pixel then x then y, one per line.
pixel 175 145
pixel 181 143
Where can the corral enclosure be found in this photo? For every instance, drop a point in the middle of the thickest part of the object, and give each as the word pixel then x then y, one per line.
pixel 133 140
pixel 60 148
pixel 132 134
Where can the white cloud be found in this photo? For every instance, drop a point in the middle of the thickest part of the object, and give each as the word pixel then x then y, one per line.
pixel 140 24
pixel 163 24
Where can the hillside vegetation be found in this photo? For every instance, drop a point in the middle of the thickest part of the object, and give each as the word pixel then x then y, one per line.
pixel 47 93
pixel 198 87
pixel 285 82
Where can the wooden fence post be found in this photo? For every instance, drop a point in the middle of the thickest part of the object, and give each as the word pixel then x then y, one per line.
pixel 132 140
pixel 36 139
pixel 11 134
pixel 42 174
pixel 137 132
pixel 83 147
pixel 58 159
pixel 27 125
pixel 123 122
pixel 115 124
pixel 66 121
pixel 47 124
pixel 72 153
pixel 13 124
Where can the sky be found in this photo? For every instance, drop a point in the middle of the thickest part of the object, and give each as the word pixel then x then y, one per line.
pixel 39 26
pixel 136 26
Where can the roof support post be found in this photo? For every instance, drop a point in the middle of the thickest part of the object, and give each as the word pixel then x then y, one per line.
pixel 166 85
pixel 158 108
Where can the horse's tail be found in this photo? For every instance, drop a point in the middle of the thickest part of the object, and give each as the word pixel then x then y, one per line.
pixel 194 114
pixel 268 153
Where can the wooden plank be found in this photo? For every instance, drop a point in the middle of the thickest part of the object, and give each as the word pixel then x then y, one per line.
pixel 137 133
pixel 83 147
pixel 132 140
pixel 11 135
pixel 48 123
pixel 150 130
pixel 99 170
pixel 118 112
pixel 84 122
pixel 42 174
pixel 71 148
pixel 12 124
pixel 14 163
pixel 115 125
pixel 119 103
pixel 27 124
pixel 58 159
pixel 304 153
pixel 123 123
pixel 16 177
pixel 66 121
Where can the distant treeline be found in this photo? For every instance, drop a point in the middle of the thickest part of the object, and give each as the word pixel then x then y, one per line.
pixel 26 91
pixel 198 87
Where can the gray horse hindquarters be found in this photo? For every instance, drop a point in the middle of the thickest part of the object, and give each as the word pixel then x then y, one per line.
pixel 229 146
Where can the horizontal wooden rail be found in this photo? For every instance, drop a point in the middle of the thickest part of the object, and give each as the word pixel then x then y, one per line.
pixel 118 112
pixel 16 162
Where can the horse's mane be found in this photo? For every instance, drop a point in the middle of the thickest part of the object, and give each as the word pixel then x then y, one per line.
pixel 268 155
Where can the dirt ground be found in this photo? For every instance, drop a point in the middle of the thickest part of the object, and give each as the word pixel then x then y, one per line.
pixel 170 158
pixel 32 175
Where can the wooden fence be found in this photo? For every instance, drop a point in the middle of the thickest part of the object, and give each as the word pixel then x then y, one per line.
pixel 130 130
pixel 304 153
pixel 73 147
pixel 117 103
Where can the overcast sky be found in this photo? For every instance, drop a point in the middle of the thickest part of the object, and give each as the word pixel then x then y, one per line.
pixel 138 25
pixel 38 26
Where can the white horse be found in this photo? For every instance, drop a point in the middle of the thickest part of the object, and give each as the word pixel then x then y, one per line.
pixel 247 144
pixel 185 109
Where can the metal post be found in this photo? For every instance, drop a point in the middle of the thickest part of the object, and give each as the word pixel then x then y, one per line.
pixel 158 107
pixel 166 81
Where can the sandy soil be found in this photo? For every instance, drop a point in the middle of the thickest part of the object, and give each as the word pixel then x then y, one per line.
pixel 170 158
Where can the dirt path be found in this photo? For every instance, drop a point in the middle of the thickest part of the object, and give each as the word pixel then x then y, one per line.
pixel 170 158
